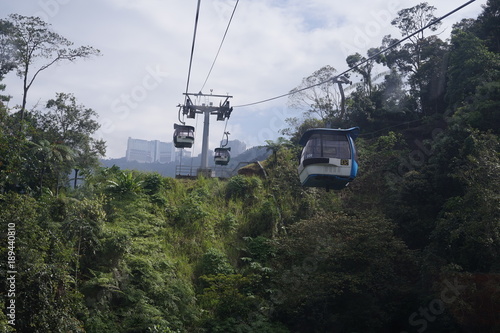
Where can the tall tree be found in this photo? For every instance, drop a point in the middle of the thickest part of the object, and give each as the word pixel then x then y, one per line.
pixel 410 57
pixel 275 146
pixel 471 65
pixel 321 99
pixel 488 25
pixel 6 56
pixel 72 124
pixel 431 76
pixel 32 40
pixel 50 158
pixel 364 67
pixel 6 49
pixel 409 21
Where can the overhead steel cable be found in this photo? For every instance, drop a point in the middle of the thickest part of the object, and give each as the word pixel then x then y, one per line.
pixel 192 46
pixel 220 46
pixel 364 61
pixel 190 60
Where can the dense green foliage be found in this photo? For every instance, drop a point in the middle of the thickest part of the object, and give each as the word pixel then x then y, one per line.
pixel 412 245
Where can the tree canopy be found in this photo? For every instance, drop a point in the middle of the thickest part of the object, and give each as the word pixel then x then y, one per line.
pixel 30 47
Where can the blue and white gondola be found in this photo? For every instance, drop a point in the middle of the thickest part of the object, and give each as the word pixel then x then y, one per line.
pixel 328 158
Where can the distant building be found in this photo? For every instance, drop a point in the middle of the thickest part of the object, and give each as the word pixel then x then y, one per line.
pixel 237 147
pixel 164 152
pixel 151 151
pixel 145 151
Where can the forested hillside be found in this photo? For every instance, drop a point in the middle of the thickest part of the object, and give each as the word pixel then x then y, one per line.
pixel 411 245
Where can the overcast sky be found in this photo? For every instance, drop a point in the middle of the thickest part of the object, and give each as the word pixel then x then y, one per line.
pixel 137 83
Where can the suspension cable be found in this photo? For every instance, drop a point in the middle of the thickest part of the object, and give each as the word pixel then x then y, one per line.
pixel 192 46
pixel 220 46
pixel 364 61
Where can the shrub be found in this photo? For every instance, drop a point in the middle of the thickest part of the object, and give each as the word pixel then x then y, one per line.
pixel 214 262
pixel 242 187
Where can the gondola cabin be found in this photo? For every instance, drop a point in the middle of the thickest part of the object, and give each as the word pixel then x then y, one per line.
pixel 222 156
pixel 328 158
pixel 183 136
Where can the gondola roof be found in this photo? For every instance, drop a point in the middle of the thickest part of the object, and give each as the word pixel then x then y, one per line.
pixel 353 132
pixel 183 127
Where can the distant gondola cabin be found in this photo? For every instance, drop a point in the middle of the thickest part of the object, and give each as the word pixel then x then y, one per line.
pixel 222 156
pixel 328 158
pixel 183 136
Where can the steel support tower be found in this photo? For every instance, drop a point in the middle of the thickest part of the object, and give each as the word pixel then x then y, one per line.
pixel 223 112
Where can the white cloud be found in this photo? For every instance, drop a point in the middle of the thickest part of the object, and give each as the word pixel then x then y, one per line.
pixel 271 45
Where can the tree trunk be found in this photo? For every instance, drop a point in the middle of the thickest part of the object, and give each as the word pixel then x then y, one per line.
pixel 25 93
